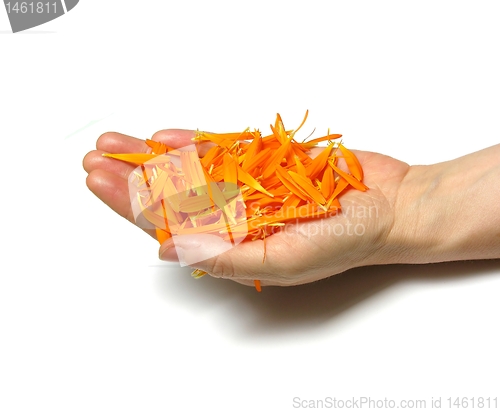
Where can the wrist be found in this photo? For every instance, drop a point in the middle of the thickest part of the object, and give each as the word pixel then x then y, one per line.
pixel 420 232
pixel 448 211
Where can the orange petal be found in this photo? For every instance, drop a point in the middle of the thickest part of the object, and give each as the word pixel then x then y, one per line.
pixel 289 183
pixel 247 179
pixel 302 124
pixel 275 160
pixel 301 170
pixel 351 179
pixel 313 142
pixel 162 235
pixel 210 156
pixel 319 162
pixel 328 183
pixel 308 187
pixel 158 147
pixel 249 164
pixel 352 162
pixel 230 169
pixel 292 201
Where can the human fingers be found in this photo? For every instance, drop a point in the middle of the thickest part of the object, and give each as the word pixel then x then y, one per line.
pixel 177 138
pixel 287 261
pixel 112 189
pixel 95 160
pixel 113 142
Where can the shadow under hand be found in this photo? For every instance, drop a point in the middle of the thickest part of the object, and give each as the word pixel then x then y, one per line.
pixel 281 309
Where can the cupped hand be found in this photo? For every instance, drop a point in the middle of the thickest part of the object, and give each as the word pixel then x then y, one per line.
pixel 301 252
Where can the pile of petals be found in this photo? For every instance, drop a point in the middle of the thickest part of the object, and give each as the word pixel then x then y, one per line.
pixel 244 187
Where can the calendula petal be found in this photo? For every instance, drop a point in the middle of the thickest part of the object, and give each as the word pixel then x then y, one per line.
pixel 211 155
pixel 162 235
pixel 252 150
pixel 247 179
pixel 251 163
pixel 230 169
pixel 350 179
pixel 319 162
pixel 158 147
pixel 308 187
pixel 275 160
pixel 302 124
pixel 135 158
pixel 352 162
pixel 328 183
pixel 314 142
pixel 292 201
pixel 290 184
pixel 301 170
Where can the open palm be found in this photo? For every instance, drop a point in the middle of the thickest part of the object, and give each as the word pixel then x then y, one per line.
pixel 300 253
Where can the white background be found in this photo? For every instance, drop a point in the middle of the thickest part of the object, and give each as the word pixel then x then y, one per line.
pixel 91 320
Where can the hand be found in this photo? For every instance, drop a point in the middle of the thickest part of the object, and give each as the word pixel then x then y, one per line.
pixel 302 252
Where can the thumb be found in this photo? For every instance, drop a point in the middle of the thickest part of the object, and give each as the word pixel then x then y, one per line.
pixel 189 250
pixel 219 258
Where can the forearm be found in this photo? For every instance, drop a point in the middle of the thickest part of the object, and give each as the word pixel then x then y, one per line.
pixel 448 211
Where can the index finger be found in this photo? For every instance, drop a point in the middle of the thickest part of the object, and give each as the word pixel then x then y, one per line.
pixel 177 138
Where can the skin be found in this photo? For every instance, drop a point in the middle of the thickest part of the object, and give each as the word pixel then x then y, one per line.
pixel 410 214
